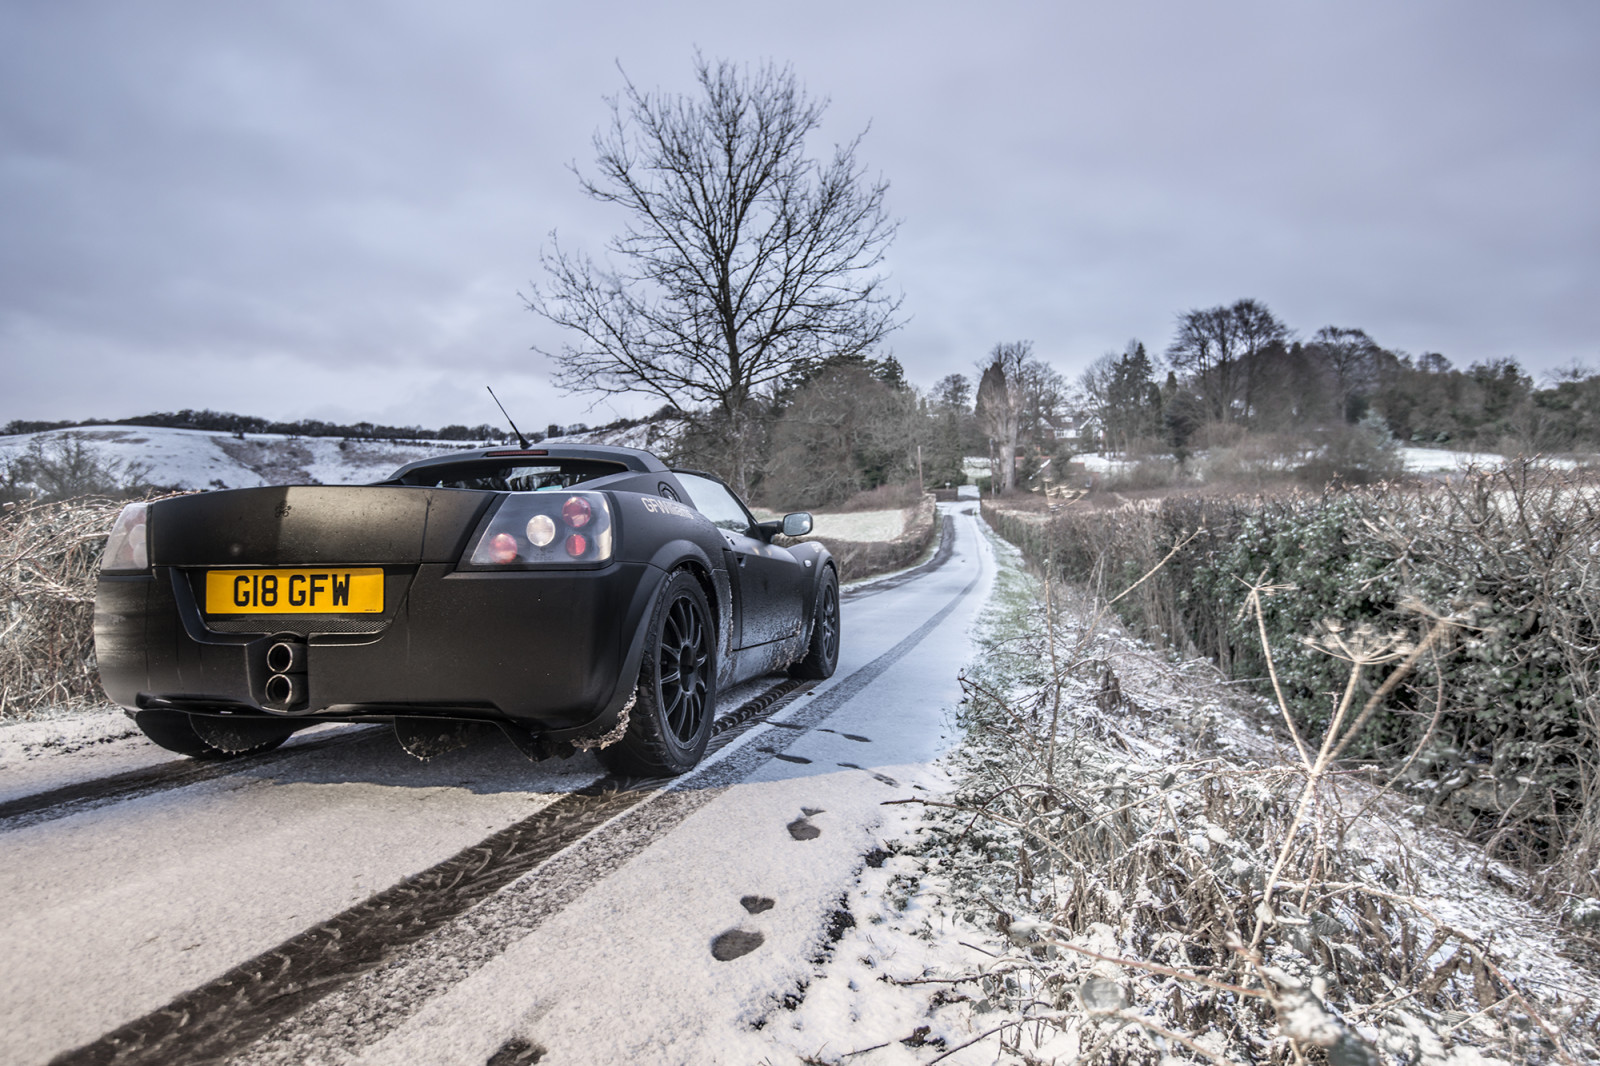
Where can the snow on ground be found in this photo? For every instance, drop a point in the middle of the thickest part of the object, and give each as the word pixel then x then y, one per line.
pixel 206 459
pixel 1440 460
pixel 850 525
pixel 848 937
pixel 1417 461
pixel 1100 464
pixel 202 459
pixel 861 525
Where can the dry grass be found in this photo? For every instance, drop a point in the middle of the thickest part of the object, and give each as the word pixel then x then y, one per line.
pixel 1172 886
pixel 883 498
pixel 49 556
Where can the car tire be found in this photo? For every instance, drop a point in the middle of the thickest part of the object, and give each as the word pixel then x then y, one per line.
pixel 822 655
pixel 175 732
pixel 676 700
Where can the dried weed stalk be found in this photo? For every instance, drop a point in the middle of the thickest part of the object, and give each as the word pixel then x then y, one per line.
pixel 49 555
pixel 1172 887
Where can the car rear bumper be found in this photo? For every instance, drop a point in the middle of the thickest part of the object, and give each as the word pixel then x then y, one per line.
pixel 555 651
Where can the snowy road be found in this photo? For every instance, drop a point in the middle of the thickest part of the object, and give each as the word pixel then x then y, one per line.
pixel 337 901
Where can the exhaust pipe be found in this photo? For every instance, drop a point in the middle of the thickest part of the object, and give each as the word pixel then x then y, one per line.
pixel 287 657
pixel 285 690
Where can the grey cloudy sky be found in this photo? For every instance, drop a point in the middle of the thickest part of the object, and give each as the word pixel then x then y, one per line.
pixel 312 209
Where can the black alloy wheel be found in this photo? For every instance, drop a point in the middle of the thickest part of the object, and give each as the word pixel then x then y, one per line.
pixel 683 655
pixel 676 700
pixel 822 654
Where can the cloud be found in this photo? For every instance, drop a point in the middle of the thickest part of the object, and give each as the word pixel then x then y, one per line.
pixel 327 209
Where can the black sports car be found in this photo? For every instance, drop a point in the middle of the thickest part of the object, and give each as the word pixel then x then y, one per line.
pixel 574 596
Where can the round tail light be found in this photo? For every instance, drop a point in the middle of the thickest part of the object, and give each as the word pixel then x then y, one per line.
pixel 577 544
pixel 503 548
pixel 576 512
pixel 541 530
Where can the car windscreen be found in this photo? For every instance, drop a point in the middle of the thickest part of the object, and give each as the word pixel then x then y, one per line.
pixel 501 475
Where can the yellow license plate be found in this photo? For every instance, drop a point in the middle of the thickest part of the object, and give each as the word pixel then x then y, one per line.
pixel 308 591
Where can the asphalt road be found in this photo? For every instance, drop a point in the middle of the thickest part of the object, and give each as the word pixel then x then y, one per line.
pixel 337 901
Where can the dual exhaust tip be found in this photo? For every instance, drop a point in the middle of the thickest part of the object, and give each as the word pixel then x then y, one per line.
pixel 286 681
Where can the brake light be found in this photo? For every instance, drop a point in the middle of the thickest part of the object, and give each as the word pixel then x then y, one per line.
pixel 128 546
pixel 576 512
pixel 577 545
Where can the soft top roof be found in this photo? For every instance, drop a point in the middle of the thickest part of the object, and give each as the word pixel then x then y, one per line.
pixel 631 458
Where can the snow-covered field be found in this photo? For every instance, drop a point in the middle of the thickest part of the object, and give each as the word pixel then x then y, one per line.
pixel 861 525
pixel 202 459
pixel 1417 461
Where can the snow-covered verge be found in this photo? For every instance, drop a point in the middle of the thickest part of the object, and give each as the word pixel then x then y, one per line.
pixel 1152 880
pixel 1416 460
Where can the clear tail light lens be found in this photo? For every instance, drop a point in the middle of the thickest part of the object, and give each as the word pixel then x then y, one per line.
pixel 533 530
pixel 128 547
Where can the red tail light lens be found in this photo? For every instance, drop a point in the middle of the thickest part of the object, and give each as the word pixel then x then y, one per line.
pixel 502 548
pixel 577 544
pixel 576 512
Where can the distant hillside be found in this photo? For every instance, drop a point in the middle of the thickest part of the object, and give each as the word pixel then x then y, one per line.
pixel 202 459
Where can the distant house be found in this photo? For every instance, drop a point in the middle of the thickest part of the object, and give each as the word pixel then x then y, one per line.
pixel 1080 430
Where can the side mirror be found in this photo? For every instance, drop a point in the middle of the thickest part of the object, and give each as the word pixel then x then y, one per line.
pixel 797 524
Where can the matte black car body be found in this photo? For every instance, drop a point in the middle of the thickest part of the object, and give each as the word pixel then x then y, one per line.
pixel 550 655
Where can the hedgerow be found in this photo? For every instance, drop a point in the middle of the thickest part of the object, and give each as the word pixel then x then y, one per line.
pixel 1497 723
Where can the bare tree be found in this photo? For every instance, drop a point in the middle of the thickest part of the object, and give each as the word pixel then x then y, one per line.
pixel 1221 348
pixel 743 260
pixel 1097 390
pixel 1351 357
pixel 1258 331
pixel 1208 351
pixel 1001 404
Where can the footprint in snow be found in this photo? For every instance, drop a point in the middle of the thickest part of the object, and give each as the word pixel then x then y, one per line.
pixel 781 755
pixel 847 736
pixel 516 1052
pixel 802 827
pixel 735 943
pixel 885 778
pixel 756 904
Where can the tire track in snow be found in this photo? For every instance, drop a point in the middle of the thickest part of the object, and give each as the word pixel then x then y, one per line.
pixel 378 1002
pixel 349 981
pixel 208 1023
pixel 86 795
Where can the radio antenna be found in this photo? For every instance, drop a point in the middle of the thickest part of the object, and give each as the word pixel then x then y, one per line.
pixel 520 438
